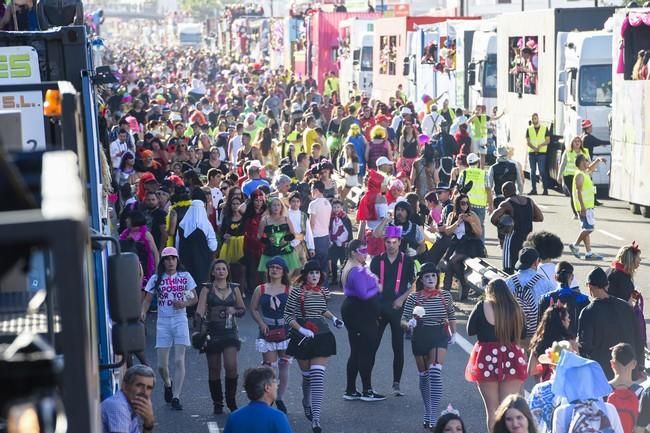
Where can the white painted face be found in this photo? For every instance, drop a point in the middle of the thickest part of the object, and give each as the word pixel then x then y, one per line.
pixel 429 280
pixel 313 277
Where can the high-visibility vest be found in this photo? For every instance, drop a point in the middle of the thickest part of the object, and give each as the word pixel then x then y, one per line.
pixel 537 137
pixel 478 194
pixel 570 166
pixel 479 127
pixel 588 191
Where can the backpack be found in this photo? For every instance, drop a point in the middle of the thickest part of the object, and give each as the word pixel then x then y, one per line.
pixel 626 403
pixel 589 417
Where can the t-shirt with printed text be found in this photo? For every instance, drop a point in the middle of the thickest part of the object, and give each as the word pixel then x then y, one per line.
pixel 171 288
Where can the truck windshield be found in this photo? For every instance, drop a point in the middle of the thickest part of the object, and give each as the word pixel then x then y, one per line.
pixel 490 77
pixel 595 85
pixel 190 38
pixel 366 59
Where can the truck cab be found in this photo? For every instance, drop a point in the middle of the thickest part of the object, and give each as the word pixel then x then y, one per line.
pixel 190 34
pixel 355 57
pixel 482 70
pixel 585 91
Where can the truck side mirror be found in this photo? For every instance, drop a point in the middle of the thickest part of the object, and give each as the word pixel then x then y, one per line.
pixel 471 74
pixel 124 287
pixel 124 276
pixel 407 67
pixel 562 77
pixel 356 56
pixel 561 93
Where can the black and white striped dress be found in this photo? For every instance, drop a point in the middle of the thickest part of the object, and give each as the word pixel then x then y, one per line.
pixel 432 330
pixel 307 306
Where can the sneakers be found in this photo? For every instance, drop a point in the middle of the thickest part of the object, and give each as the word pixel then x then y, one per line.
pixel 176 404
pixel 396 391
pixel 575 250
pixel 168 394
pixel 545 192
pixel 281 406
pixel 593 256
pixel 372 396
pixel 532 192
pixel 352 396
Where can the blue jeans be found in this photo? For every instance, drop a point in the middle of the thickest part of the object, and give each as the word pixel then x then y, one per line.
pixel 538 160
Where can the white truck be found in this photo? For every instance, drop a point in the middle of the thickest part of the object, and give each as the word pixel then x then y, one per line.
pixel 481 81
pixel 585 92
pixel 425 75
pixel 529 65
pixel 630 120
pixel 356 37
pixel 190 34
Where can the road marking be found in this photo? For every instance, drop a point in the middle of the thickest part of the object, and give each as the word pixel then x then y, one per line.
pixel 541 206
pixel 464 344
pixel 213 427
pixel 611 235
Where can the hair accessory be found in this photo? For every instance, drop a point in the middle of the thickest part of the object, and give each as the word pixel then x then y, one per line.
pixel 450 409
pixel 635 247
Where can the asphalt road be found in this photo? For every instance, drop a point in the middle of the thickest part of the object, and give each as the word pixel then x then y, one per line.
pixel 615 226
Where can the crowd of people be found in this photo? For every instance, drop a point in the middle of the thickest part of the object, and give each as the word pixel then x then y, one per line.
pixel 244 190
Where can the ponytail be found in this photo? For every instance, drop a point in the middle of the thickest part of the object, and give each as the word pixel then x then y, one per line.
pixel 564 274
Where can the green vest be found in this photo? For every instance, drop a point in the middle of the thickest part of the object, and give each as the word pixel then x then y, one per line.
pixel 537 137
pixel 479 127
pixel 570 166
pixel 478 194
pixel 588 191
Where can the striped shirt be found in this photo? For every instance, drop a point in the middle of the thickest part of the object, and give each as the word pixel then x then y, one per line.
pixel 526 299
pixel 314 305
pixel 438 309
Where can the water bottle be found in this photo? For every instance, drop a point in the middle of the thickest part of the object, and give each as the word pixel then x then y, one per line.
pixel 229 321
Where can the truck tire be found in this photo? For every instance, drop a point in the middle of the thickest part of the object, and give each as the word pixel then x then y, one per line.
pixel 635 209
pixel 645 211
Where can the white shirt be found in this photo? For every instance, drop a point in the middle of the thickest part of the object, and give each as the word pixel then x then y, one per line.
pixel 117 150
pixel 172 288
pixel 456 125
pixel 319 211
pixel 296 219
pixel 235 145
pixel 431 123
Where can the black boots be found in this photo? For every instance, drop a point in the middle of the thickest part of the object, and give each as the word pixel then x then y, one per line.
pixel 231 393
pixel 217 396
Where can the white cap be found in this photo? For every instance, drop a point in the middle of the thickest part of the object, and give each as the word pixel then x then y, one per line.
pixel 405 110
pixel 473 158
pixel 382 160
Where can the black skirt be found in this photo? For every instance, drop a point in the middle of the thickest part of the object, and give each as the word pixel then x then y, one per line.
pixel 322 345
pixel 426 338
pixel 222 339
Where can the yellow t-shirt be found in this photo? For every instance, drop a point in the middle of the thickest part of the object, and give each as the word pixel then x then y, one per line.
pixel 310 136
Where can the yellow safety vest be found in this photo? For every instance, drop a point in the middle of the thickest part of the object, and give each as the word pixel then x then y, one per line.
pixel 588 191
pixel 570 166
pixel 479 127
pixel 537 137
pixel 478 194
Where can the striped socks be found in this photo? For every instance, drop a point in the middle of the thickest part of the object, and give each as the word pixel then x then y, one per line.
pixel 435 391
pixel 317 385
pixel 424 391
pixel 306 394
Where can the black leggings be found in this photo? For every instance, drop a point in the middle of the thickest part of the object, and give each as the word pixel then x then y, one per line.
pixel 392 317
pixel 360 319
pixel 568 182
pixel 456 266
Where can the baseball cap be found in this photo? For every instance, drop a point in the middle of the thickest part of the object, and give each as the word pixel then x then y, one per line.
pixel 586 123
pixel 169 251
pixel 405 110
pixel 382 160
pixel 597 277
pixel 527 257
pixel 473 158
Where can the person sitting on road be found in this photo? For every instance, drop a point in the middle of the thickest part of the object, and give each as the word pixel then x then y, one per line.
pixel 123 411
pixel 262 389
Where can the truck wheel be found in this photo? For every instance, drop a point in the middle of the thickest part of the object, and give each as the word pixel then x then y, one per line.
pixel 635 209
pixel 645 211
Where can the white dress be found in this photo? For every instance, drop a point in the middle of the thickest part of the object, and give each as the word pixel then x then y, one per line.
pixel 351 180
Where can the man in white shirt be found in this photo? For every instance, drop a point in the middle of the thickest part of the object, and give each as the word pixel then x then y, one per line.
pixel 303 243
pixel 320 211
pixel 461 119
pixel 118 148
pixel 236 143
pixel 431 122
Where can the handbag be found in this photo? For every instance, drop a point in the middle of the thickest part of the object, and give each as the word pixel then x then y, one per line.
pixel 276 335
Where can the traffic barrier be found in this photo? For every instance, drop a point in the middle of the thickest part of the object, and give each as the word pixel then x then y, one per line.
pixel 479 272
